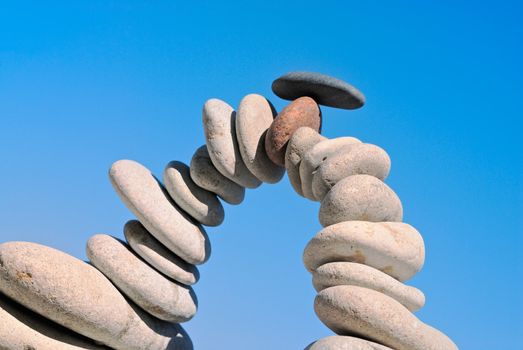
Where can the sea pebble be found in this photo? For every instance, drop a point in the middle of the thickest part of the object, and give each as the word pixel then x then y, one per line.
pixel 337 342
pixel 255 115
pixel 143 194
pixel 395 248
pixel 205 175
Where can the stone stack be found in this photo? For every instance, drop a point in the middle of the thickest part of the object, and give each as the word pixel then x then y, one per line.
pixel 134 294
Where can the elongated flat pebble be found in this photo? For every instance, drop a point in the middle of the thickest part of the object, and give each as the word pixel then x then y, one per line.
pixel 395 248
pixel 318 154
pixel 300 142
pixel 199 203
pixel 255 115
pixel 338 342
pixel 360 197
pixel 354 274
pixel 300 112
pixel 325 90
pixel 357 311
pixel 362 158
pixel 143 194
pixel 220 136
pixel 157 255
pixel 77 296
pixel 23 329
pixel 205 175
pixel 149 289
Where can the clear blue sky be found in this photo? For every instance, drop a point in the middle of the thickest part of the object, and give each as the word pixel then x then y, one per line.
pixel 85 84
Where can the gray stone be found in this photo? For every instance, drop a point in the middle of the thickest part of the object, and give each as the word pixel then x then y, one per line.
pixel 199 203
pixel 220 136
pixel 337 342
pixel 362 158
pixel 159 257
pixel 325 90
pixel 357 311
pixel 255 115
pixel 354 274
pixel 360 197
pixel 78 296
pixel 300 142
pixel 149 289
pixel 143 194
pixel 395 248
pixel 205 175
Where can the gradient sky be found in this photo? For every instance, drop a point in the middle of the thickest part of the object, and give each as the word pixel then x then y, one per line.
pixel 83 85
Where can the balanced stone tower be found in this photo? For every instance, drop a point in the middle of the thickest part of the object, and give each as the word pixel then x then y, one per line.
pixel 134 294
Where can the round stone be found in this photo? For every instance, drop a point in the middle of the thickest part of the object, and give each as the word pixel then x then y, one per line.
pixel 159 257
pixel 362 158
pixel 143 194
pixel 255 115
pixel 318 154
pixel 300 142
pixel 394 248
pixel 149 289
pixel 76 295
pixel 360 197
pixel 325 90
pixel 199 203
pixel 300 112
pixel 337 342
pixel 205 175
pixel 354 274
pixel 363 312
pixel 220 136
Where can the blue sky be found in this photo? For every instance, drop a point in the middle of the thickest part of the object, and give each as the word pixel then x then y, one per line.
pixel 85 84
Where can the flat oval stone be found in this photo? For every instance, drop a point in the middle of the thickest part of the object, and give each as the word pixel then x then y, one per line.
pixel 300 112
pixel 363 158
pixel 300 142
pixel 199 203
pixel 159 257
pixel 143 194
pixel 354 274
pixel 205 175
pixel 255 115
pixel 325 90
pixel 360 197
pixel 395 248
pixel 220 136
pixel 150 290
pixel 337 342
pixel 318 154
pixel 23 329
pixel 357 311
pixel 76 295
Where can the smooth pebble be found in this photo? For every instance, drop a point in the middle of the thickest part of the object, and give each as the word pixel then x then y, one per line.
pixel 338 342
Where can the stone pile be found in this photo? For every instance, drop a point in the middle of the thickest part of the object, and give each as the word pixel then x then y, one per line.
pixel 134 294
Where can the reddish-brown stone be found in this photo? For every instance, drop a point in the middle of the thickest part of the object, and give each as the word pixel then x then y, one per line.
pixel 303 111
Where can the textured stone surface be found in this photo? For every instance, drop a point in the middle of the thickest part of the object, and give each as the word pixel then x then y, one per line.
pixel 149 289
pixel 300 142
pixel 360 197
pixel 205 175
pixel 220 136
pixel 354 274
pixel 148 200
pixel 157 255
pixel 325 90
pixel 363 158
pixel 300 112
pixel 199 203
pixel 78 296
pixel 318 154
pixel 350 310
pixel 337 342
pixel 255 115
pixel 22 329
pixel 395 248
